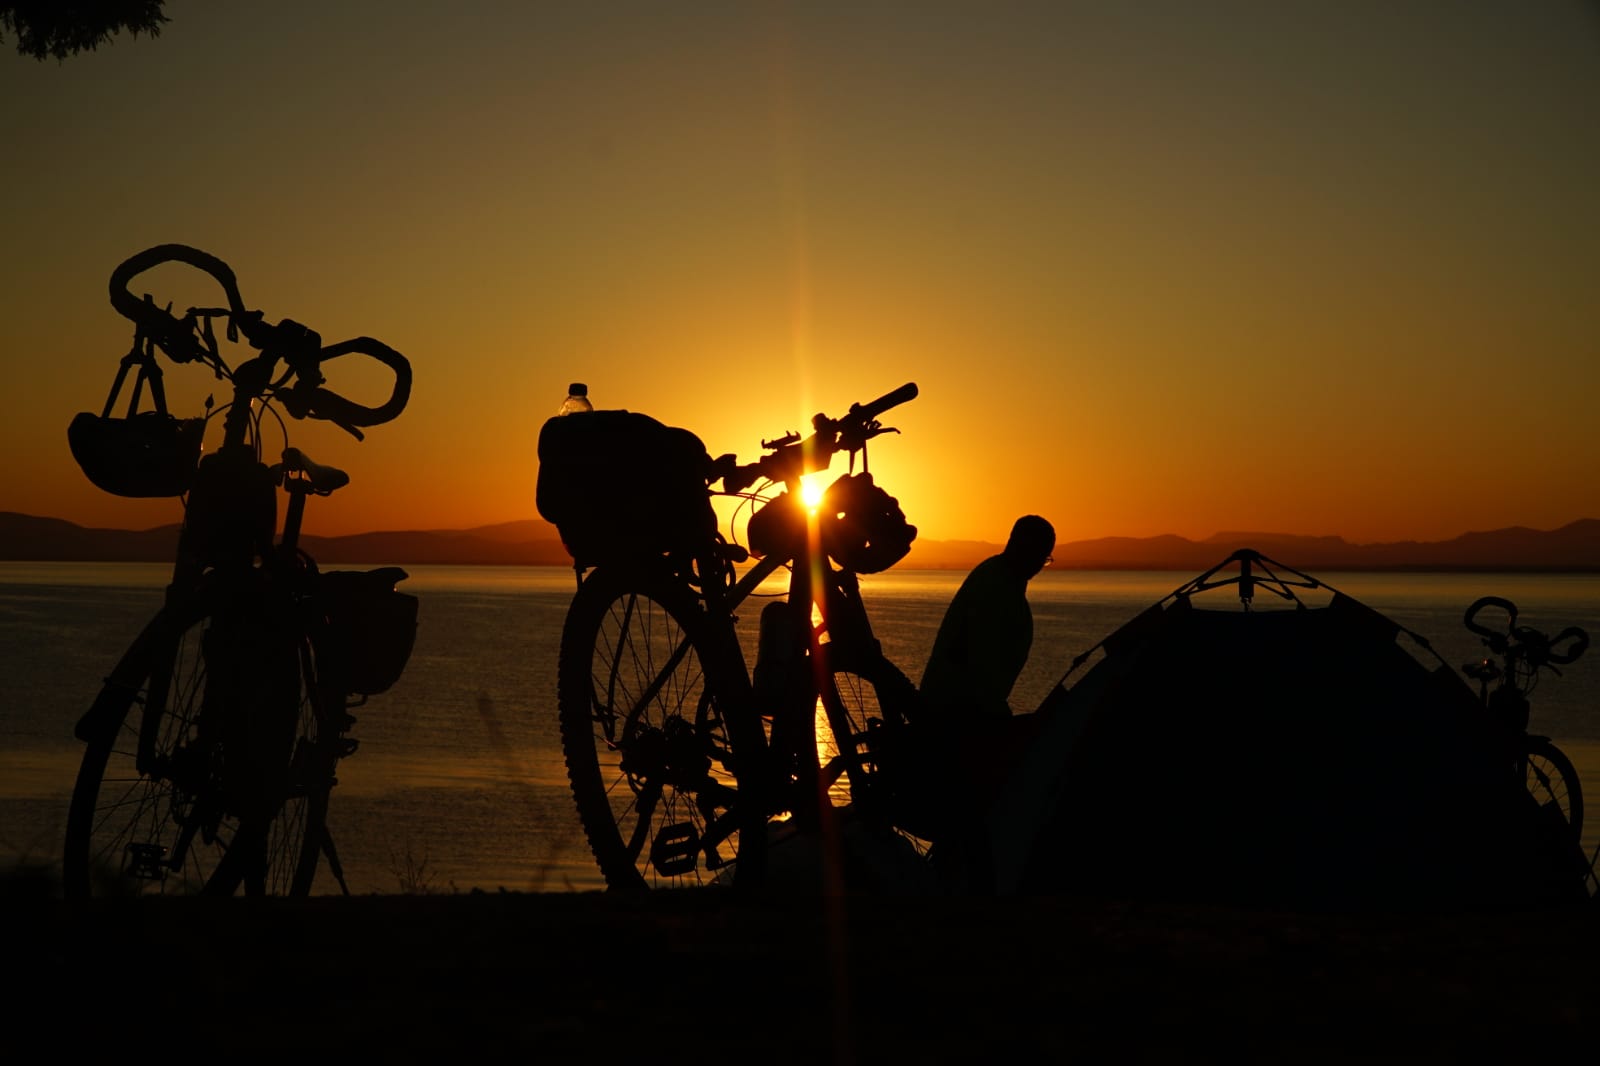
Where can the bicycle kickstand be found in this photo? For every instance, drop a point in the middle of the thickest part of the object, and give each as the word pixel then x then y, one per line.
pixel 334 864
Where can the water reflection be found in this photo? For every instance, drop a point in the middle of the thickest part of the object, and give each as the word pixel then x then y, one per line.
pixel 486 798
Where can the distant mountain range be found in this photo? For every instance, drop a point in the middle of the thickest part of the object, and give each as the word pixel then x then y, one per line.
pixel 1573 547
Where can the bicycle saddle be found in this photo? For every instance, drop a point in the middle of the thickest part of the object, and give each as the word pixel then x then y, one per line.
pixel 324 479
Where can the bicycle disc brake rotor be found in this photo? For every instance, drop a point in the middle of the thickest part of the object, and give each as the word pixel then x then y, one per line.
pixel 669 756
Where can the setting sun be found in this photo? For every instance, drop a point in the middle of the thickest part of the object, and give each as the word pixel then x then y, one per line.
pixel 811 491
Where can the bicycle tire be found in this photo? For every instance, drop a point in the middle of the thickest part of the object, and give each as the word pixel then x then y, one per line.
pixel 1553 781
pixel 170 828
pixel 866 702
pixel 655 765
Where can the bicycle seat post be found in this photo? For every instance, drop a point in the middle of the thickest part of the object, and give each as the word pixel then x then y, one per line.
pixel 297 488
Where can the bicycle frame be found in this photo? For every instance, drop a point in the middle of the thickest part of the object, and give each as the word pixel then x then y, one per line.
pixel 817 590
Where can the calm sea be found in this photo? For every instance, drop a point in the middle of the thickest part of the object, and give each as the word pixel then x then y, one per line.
pixel 459 770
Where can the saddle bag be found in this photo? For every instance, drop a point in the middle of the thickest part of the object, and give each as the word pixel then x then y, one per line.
pixel 368 629
pixel 620 485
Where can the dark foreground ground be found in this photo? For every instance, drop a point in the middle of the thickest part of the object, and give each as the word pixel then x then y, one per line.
pixel 704 977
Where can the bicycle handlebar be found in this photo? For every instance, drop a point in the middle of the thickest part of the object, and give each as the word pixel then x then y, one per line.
pixel 793 458
pixel 174 335
pixel 301 348
pixel 315 401
pixel 903 394
pixel 1489 601
pixel 1531 645
pixel 1580 644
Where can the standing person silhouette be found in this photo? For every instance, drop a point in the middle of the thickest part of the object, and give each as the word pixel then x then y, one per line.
pixel 978 654
pixel 987 632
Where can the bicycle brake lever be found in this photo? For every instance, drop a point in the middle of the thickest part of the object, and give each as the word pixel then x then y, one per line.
pixel 855 440
pixel 348 428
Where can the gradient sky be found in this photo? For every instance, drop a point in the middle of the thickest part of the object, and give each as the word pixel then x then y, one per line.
pixel 1157 267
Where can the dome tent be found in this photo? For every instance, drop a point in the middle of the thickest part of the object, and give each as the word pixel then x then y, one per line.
pixel 1296 756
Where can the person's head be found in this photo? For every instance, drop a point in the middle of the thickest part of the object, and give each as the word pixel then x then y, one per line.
pixel 1031 542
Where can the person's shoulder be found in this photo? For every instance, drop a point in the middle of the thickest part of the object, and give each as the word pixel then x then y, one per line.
pixel 992 571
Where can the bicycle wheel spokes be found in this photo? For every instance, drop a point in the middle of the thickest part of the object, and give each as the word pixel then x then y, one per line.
pixel 666 742
pixel 854 715
pixel 842 740
pixel 648 751
pixel 1553 782
pixel 166 823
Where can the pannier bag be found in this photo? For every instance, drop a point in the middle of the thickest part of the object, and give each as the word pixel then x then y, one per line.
pixel 368 629
pixel 619 485
pixel 149 454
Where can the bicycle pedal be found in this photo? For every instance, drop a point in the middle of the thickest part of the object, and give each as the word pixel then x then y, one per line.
pixel 675 850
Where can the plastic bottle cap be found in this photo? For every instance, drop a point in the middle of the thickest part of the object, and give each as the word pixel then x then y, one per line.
pixel 578 388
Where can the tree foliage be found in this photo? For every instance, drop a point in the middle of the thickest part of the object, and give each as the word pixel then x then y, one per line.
pixel 62 28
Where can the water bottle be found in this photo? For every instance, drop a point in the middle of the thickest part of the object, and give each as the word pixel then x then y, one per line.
pixel 577 399
pixel 779 650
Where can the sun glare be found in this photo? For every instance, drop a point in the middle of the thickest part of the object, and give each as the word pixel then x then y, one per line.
pixel 811 493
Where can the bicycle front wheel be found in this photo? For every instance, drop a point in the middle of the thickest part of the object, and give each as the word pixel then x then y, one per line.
pixel 1553 781
pixel 192 782
pixel 654 757
pixel 865 704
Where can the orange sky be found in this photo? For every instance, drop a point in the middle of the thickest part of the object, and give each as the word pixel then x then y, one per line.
pixel 1156 267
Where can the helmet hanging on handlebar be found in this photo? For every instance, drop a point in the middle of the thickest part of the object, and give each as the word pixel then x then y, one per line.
pixel 863 528
pixel 140 453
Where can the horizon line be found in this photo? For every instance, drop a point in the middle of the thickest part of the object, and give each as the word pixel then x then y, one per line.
pixel 539 521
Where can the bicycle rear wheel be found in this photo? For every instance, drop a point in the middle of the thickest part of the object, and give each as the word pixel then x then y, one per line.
pixel 1553 781
pixel 655 759
pixel 231 792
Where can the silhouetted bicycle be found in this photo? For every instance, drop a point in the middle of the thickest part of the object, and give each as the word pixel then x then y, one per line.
pixel 1504 688
pixel 681 761
pixel 212 747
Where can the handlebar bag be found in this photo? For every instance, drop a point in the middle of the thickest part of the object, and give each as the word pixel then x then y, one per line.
pixel 621 485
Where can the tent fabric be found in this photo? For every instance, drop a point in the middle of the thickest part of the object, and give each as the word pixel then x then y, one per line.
pixel 1290 757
